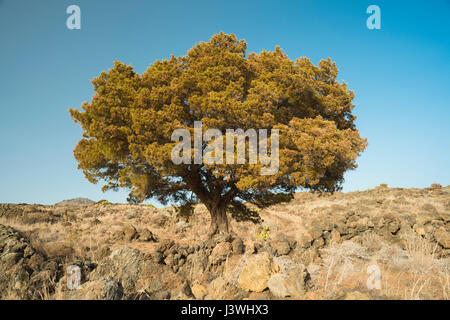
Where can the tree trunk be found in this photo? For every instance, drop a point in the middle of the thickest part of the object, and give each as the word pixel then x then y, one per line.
pixel 219 220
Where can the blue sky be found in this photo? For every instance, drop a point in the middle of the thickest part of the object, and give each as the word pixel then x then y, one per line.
pixel 400 75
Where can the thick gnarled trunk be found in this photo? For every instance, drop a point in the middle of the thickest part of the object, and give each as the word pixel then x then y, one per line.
pixel 215 201
pixel 219 220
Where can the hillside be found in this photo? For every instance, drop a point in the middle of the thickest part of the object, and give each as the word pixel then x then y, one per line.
pixel 318 246
pixel 75 202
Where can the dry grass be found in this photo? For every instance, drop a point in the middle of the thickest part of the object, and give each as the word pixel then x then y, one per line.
pixel 412 270
pixel 412 273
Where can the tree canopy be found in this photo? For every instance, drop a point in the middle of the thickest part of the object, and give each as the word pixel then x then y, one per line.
pixel 128 125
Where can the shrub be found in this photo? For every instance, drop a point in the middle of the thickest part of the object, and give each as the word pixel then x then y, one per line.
pixel 104 202
pixel 264 234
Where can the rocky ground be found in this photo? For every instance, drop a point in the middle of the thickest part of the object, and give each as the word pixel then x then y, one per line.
pixel 318 246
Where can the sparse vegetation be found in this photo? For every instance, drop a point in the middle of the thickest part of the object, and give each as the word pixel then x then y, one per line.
pixel 104 202
pixel 264 234
pixel 335 237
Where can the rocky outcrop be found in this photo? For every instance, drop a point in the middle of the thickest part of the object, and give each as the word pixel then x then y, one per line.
pixel 98 290
pixel 321 232
pixel 24 272
pixel 75 202
pixel 124 265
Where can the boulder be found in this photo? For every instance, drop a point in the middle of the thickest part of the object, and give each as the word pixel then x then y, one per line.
pixel 257 272
pixel 296 281
pixel 164 245
pixel 159 282
pixel 217 288
pixel 147 235
pixel 123 265
pixel 335 236
pixel 129 232
pixel 238 246
pixel 220 253
pixel 304 239
pixel 443 237
pixel 280 245
pixel 99 290
pixel 199 291
pixel 197 262
pixel 277 286
pixel 232 268
pixel 171 260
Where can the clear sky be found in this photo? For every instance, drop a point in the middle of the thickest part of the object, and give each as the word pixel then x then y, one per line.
pixel 400 75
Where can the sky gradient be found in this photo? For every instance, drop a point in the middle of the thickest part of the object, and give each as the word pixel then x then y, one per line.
pixel 400 75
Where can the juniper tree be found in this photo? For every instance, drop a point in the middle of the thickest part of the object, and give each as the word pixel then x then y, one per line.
pixel 128 126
